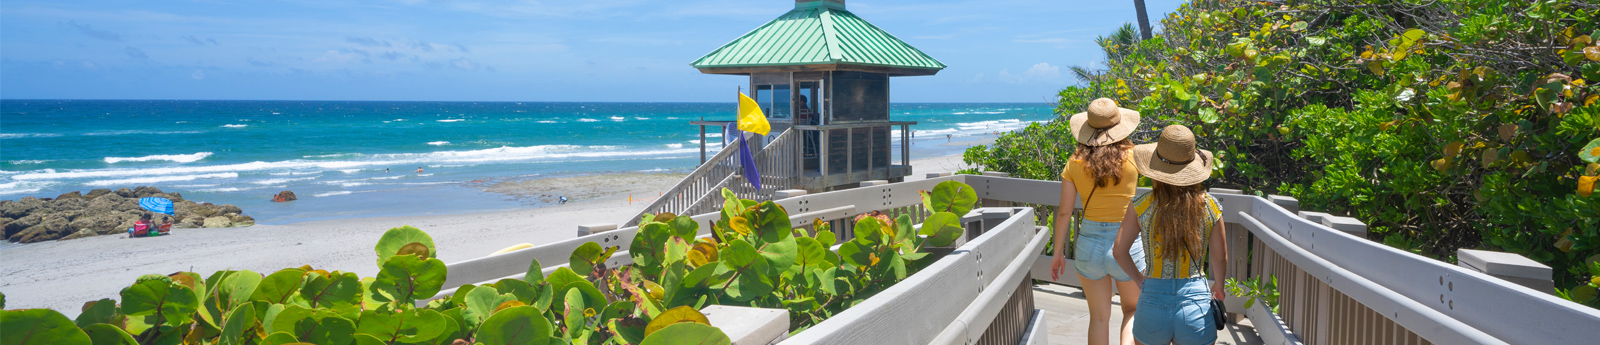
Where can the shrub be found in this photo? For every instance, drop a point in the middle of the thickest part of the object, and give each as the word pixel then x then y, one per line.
pixel 1442 125
pixel 753 258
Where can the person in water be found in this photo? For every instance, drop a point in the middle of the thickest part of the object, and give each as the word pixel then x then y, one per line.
pixel 419 170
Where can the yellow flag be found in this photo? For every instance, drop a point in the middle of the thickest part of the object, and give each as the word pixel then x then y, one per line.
pixel 750 117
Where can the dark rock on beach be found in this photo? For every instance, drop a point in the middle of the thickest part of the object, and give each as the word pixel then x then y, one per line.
pixel 284 196
pixel 104 212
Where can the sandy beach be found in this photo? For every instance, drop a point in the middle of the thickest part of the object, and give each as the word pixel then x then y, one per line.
pixel 61 275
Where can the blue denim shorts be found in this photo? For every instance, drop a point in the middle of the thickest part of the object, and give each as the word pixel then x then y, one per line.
pixel 1093 259
pixel 1176 311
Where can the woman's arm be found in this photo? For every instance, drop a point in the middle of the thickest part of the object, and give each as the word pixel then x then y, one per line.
pixel 1069 200
pixel 1126 234
pixel 1219 258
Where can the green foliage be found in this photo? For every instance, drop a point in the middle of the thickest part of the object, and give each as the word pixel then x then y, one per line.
pixel 754 259
pixel 1435 124
pixel 1254 289
pixel 39 326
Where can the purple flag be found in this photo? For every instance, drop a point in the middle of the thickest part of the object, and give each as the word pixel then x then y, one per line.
pixel 749 162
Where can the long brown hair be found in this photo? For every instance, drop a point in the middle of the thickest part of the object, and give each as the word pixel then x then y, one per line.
pixel 1179 219
pixel 1105 161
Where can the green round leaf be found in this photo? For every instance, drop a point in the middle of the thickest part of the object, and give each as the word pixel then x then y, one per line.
pixel 585 257
pixel 682 314
pixel 173 303
pixel 335 290
pixel 406 278
pixel 954 197
pixel 687 334
pixel 39 326
pixel 515 326
pixel 810 252
pixel 1591 152
pixel 104 334
pixel 101 311
pixel 397 238
pixel 942 228
pixel 277 287
pixel 239 320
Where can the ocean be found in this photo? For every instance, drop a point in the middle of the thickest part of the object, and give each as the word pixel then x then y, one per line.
pixel 347 159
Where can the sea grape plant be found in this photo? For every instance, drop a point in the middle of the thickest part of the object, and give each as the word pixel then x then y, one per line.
pixel 307 305
pixel 753 257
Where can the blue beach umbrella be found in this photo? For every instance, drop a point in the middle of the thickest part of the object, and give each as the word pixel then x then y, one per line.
pixel 157 205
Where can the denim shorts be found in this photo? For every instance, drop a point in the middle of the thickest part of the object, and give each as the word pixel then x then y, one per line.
pixel 1093 259
pixel 1176 311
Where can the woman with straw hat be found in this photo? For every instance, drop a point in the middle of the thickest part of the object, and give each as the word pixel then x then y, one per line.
pixel 1178 224
pixel 1102 172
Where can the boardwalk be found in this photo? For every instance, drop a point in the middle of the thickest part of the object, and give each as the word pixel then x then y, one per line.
pixel 1067 315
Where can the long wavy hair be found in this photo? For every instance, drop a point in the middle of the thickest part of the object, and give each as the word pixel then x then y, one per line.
pixel 1105 161
pixel 1178 220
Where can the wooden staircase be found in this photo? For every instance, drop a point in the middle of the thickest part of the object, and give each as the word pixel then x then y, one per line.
pixel 701 191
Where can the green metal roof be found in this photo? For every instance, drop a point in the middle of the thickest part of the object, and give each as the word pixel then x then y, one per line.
pixel 818 35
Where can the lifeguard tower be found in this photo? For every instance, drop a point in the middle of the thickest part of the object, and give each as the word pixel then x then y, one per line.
pixel 824 72
pixel 821 75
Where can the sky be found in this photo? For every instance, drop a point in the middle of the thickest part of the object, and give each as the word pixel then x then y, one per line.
pixel 483 50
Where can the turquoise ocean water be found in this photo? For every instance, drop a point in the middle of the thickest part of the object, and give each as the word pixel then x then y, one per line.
pixel 358 159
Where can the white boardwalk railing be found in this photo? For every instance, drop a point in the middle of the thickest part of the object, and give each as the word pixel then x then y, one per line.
pixel 1336 288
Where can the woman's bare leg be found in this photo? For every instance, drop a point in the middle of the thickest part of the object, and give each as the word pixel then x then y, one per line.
pixel 1130 303
pixel 1098 292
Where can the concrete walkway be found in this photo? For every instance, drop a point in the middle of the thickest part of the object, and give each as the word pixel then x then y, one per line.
pixel 1067 318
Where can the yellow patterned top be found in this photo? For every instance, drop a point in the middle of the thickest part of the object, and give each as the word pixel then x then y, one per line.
pixel 1145 208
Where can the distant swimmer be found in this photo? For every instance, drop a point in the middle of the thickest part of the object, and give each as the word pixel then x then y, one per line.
pixel 947 138
pixel 419 170
pixel 385 170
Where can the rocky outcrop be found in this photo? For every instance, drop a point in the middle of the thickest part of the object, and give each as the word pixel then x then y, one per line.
pixel 218 222
pixel 104 212
pixel 284 196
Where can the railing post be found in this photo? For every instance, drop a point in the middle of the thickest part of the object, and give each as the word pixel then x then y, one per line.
pixel 1509 267
pixel 585 230
pixel 787 193
pixel 1287 202
pixel 991 202
pixel 749 326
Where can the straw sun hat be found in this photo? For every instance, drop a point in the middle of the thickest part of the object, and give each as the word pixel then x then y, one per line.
pixel 1103 123
pixel 1173 159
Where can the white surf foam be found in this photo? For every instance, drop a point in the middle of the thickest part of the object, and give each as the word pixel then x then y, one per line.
pixel 235 126
pixel 618 118
pixel 438 143
pixel 541 153
pixel 675 146
pixel 173 158
pixel 159 179
pixel 342 192
pixel 546 121
pixel 451 120
pixel 281 180
pixel 588 120
pixel 27 135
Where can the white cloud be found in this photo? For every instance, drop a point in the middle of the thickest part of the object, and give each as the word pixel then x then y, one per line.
pixel 336 56
pixel 197 75
pixel 464 64
pixel 1043 72
pixel 1040 73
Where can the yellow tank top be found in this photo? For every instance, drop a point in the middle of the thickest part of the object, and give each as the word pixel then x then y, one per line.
pixel 1146 209
pixel 1110 202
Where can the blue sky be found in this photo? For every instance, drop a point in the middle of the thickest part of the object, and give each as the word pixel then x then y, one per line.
pixel 557 50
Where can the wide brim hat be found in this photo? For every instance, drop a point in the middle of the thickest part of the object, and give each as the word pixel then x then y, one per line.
pixel 1173 159
pixel 1103 123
